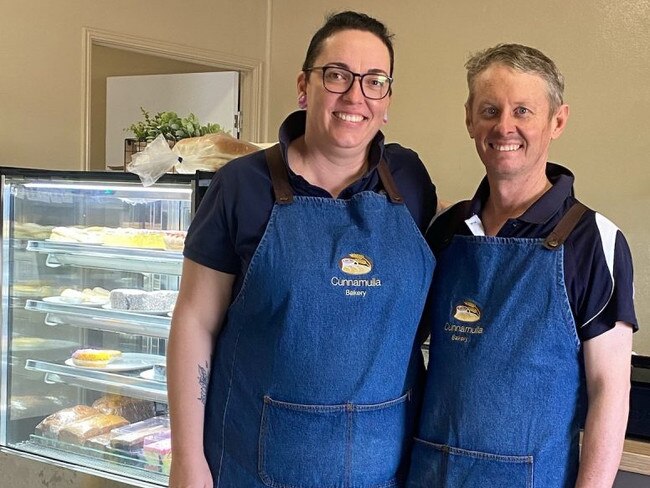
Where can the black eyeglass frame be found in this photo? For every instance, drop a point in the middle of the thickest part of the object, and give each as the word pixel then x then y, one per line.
pixel 354 76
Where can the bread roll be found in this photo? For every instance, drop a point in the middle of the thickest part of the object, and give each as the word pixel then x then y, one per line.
pixel 80 431
pixel 209 152
pixel 132 409
pixel 51 425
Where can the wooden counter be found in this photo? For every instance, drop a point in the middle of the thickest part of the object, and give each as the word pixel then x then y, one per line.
pixel 636 457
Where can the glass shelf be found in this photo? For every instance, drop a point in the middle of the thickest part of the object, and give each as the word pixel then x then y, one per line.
pixel 104 257
pixel 98 318
pixel 125 383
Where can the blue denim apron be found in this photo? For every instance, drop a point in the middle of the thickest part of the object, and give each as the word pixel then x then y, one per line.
pixel 314 376
pixel 505 378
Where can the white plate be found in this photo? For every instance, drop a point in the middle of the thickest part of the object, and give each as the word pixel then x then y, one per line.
pixel 127 362
pixel 148 375
pixel 107 306
pixel 59 300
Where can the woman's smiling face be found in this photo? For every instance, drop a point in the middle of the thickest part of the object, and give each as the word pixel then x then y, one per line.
pixel 348 120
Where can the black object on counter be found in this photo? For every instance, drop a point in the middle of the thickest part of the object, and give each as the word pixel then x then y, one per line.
pixel 638 424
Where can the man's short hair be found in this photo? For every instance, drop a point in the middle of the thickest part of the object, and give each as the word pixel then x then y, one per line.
pixel 521 58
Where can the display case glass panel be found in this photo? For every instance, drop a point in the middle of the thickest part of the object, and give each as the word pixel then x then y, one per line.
pixel 89 261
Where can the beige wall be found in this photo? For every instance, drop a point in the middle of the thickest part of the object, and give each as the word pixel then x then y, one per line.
pixel 601 46
pixel 41 56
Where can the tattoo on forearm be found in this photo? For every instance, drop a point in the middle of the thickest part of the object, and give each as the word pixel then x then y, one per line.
pixel 204 375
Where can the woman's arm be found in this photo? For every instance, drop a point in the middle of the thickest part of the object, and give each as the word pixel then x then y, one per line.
pixel 202 302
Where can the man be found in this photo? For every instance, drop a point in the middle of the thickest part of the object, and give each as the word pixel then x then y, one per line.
pixel 531 310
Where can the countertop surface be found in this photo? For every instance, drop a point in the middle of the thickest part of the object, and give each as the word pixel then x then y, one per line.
pixel 636 456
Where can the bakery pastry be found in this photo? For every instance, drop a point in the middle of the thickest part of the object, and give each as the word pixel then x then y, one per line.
pixel 94 358
pixel 30 230
pixel 70 295
pixel 81 430
pixel 174 239
pixel 132 437
pixel 24 403
pixel 51 425
pixel 100 442
pixel 31 289
pixel 85 235
pixel 132 409
pixel 140 300
pixel 159 455
pixel 26 342
pixel 126 237
pixel 87 296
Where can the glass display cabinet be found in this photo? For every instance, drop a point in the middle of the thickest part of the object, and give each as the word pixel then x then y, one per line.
pixel 91 264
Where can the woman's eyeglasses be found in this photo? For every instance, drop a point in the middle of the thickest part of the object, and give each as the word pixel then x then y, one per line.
pixel 374 86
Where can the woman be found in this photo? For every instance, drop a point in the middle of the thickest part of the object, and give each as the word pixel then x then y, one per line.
pixel 292 355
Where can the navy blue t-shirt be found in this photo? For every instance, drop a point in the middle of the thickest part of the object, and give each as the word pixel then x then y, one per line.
pixel 235 210
pixel 597 259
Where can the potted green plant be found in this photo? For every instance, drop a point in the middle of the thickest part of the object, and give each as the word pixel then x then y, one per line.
pixel 170 125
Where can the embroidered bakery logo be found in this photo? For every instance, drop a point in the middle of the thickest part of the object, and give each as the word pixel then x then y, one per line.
pixel 466 312
pixel 356 265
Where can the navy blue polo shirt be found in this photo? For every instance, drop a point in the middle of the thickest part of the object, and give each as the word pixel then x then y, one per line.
pixel 597 259
pixel 235 210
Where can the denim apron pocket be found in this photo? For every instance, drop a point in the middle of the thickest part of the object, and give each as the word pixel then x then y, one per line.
pixel 321 446
pixel 440 466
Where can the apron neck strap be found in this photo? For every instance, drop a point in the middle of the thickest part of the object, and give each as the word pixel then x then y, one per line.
pixel 279 175
pixel 282 189
pixel 388 182
pixel 564 227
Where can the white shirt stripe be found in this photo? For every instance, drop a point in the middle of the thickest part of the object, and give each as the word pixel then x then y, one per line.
pixel 607 231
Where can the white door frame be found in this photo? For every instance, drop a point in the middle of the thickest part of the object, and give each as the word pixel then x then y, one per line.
pixel 250 76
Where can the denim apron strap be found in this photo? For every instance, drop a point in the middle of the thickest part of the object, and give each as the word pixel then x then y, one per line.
pixel 564 227
pixel 388 182
pixel 279 175
pixel 284 193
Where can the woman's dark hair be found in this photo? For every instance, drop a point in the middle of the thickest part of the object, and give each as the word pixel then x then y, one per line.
pixel 348 20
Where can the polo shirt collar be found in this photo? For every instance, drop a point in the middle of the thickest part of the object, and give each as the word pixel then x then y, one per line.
pixel 294 127
pixel 546 206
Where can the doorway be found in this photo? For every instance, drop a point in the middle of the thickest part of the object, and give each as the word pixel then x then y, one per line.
pixel 110 54
pixel 212 97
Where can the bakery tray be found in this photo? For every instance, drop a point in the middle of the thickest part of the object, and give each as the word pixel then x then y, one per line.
pixel 103 257
pixel 126 384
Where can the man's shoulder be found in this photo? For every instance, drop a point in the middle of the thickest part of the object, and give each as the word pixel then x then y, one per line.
pixel 598 265
pixel 446 224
